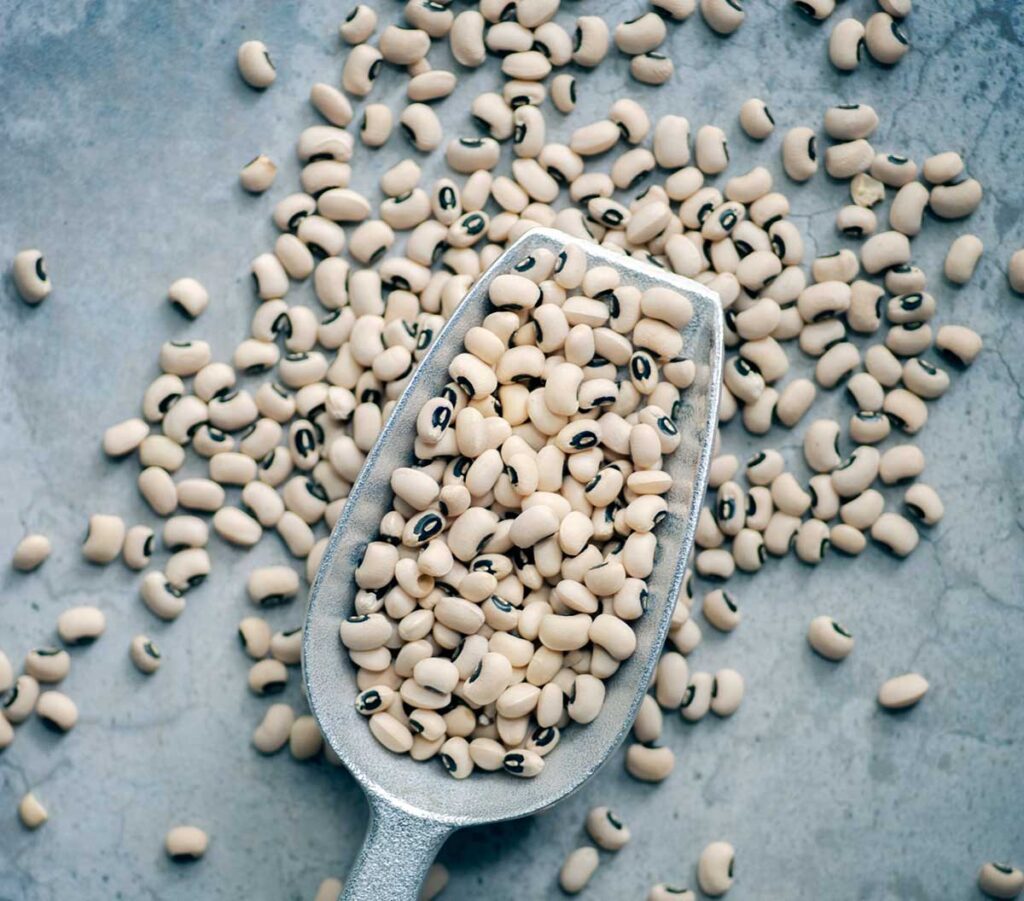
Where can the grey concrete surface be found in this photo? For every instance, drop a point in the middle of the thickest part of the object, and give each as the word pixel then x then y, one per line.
pixel 122 127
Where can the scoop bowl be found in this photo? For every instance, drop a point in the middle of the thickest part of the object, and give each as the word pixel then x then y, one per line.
pixel 415 806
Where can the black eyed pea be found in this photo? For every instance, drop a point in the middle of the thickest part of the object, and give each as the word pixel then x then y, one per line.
pixel 554 42
pixel 829 639
pixel 672 677
pixel 836 364
pixel 730 508
pixel 335 107
pixel 184 358
pixel 187 569
pixel 274 730
pixel 722 16
pixel 632 167
pixel 955 201
pixel 849 158
pixel 958 344
pixel 799 153
pixel 845 44
pixel 816 9
pixel 812 539
pixel 759 511
pixel 403 46
pixel 821 445
pixel 748 548
pixel 756 119
pixel 851 121
pixel 255 66
pixel 578 870
pixel 358 25
pixel 677 10
pixel 962 258
pixel 721 611
pixel 186 419
pixel 856 474
pixel 1000 880
pixel 144 654
pixel 647 727
pixel 856 221
pixel 794 401
pixel 104 539
pixel 903 691
pixel 764 466
pixel 454 754
pixel 57 711
pixel 880 362
pixel 743 380
pixel 726 692
pixel 47 665
pixel 376 126
pixel 649 763
pixel 20 700
pixel 325 142
pixel 256 177
pixel 942 168
pixel 715 869
pixel 664 892
pixel 268 677
pixel 893 170
pixel 373 700
pixel 162 598
pixel 31 552
pixel 590 41
pixel 1015 271
pixel 907 211
pixel 631 117
pixel 883 251
pixel 651 68
pixel 885 39
pixel 270 586
pixel 787 244
pixel 185 844
pixel 162 393
pixel 841 266
pixel 640 35
pixel 824 498
pixel 711 150
pixel 606 829
pixel 31 811
pixel 563 93
pixel 180 532
pixel 526 65
pixel 30 276
pixel 787 495
pixel 895 533
pixel 304 738
pixel 613 635
pixel 865 312
pixel 523 763
pixel 923 502
pixel 905 410
pixel 81 625
pixel 362 66
pixel 862 511
pixel 290 210
pixel 715 563
pixel 866 392
pixel 846 539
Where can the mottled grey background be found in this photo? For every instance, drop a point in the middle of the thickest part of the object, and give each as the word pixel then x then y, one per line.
pixel 122 127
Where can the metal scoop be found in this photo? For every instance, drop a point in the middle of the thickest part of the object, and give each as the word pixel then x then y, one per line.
pixel 415 806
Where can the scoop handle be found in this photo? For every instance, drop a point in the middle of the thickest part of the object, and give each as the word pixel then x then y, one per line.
pixel 397 852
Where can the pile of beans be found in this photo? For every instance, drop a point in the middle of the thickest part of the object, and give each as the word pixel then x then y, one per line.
pixel 499 594
pixel 285 425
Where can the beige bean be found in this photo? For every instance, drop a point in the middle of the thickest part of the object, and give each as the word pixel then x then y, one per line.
pixel 578 870
pixel 715 869
pixel 901 692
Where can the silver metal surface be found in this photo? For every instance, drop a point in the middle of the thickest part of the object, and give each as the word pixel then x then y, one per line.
pixel 415 805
